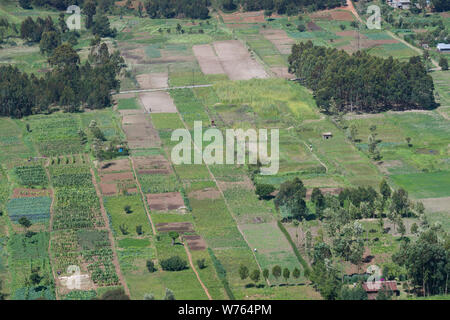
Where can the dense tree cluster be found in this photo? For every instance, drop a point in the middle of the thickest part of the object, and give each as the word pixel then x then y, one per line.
pixel 361 82
pixel 291 7
pixel 427 261
pixel 69 84
pixel 194 9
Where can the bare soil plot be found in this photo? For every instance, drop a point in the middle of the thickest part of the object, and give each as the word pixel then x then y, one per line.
pixel 237 61
pixel 437 204
pixel 180 227
pixel 165 201
pixel 207 59
pixel 340 15
pixel 280 39
pixel 195 242
pixel 31 193
pixel 152 165
pixel 139 131
pixel 153 80
pixel 332 191
pixel 351 33
pixel 158 102
pixel 245 17
pixel 208 193
pixel 115 166
pixel 114 177
pixel 108 189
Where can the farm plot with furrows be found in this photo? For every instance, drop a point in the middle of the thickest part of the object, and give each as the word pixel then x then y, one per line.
pixel 56 134
pixel 70 176
pixel 190 107
pixel 36 209
pixel 31 175
pixel 159 183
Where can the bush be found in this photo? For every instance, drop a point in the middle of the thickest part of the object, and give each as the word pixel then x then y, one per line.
pixel 173 264
pixel 264 190
pixel 150 266
pixel 201 263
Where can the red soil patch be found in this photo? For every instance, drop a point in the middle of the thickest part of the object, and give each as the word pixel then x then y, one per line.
pixel 180 227
pixel 195 242
pixel 351 33
pixel 245 17
pixel 165 201
pixel 115 166
pixel 158 102
pixel 108 189
pixel 114 177
pixel 31 193
pixel 342 15
pixel 280 39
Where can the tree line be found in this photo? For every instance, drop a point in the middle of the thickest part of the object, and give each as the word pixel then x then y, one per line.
pixel 69 85
pixel 361 82
pixel 290 7
pixel 193 9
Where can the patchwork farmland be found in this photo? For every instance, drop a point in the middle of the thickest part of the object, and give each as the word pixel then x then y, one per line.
pixel 93 196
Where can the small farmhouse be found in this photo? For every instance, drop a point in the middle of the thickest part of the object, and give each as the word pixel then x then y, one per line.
pixel 372 288
pixel 327 135
pixel 400 4
pixel 443 47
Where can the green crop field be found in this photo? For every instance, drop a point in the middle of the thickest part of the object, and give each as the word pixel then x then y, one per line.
pixel 88 207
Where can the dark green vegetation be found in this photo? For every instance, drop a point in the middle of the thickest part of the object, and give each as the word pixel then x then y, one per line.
pixel 361 83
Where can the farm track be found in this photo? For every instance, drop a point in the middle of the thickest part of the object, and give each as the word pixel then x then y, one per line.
pixel 110 235
pixel 142 196
pixel 51 228
pixel 196 272
pixel 165 89
pixel 223 196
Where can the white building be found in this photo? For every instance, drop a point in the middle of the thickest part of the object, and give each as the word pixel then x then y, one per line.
pixel 400 4
pixel 443 47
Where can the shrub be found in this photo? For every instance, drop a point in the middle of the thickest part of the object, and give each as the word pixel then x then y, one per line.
pixel 201 263
pixel 150 266
pixel 174 263
pixel 264 190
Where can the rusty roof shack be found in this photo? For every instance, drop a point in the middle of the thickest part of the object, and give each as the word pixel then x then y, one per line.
pixel 373 287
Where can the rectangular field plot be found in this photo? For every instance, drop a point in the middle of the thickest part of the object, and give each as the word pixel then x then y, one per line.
pixel 12 144
pixel 154 80
pixel 35 209
pixel 139 131
pixel 31 175
pixel 237 61
pixel 56 134
pixel 424 185
pixel 157 102
pixel 215 224
pixel 207 59
pixel 124 223
pixel 272 248
pixel 166 201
